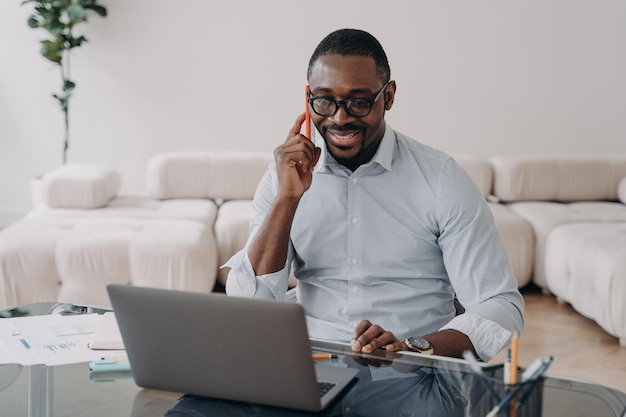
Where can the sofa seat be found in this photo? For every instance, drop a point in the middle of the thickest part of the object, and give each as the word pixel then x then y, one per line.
pixel 586 267
pixel 232 229
pixel 545 216
pixel 518 241
pixel 69 255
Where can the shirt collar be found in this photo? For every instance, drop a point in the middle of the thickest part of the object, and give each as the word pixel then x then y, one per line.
pixel 382 157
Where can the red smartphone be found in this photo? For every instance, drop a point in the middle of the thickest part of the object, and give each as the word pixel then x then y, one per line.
pixel 307 119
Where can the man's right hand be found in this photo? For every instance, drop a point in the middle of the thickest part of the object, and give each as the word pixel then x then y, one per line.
pixel 295 161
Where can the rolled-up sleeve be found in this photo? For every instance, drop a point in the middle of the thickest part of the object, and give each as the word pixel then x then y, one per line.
pixel 242 281
pixel 478 266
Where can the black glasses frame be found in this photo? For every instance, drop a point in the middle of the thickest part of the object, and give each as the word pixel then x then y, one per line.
pixel 346 103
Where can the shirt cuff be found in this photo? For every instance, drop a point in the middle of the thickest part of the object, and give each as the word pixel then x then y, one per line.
pixel 487 336
pixel 243 282
pixel 276 283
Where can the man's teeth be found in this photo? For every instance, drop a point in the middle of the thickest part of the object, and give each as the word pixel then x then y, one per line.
pixel 346 136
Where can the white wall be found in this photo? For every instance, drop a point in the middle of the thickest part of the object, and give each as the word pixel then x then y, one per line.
pixel 482 77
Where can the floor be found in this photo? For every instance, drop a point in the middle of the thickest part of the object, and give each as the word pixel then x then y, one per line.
pixel 581 349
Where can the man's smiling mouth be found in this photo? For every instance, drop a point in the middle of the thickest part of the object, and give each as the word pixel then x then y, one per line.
pixel 344 137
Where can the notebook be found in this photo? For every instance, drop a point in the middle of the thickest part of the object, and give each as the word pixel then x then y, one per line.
pixel 232 348
pixel 107 335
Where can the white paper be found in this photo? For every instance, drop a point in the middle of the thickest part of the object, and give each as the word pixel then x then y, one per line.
pixel 107 336
pixel 49 339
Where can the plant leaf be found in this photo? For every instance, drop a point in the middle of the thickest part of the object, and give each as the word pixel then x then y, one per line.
pixel 75 42
pixel 33 22
pixel 55 26
pixel 68 86
pixel 100 10
pixel 52 50
pixel 61 4
pixel 76 13
pixel 64 98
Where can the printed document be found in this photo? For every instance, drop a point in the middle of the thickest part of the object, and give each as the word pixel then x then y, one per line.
pixel 49 339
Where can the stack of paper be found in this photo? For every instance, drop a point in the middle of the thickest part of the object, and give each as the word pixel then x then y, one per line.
pixel 107 334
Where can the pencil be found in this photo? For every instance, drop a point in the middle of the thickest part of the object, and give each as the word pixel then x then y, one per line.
pixel 514 379
pixel 307 113
pixel 514 358
pixel 324 356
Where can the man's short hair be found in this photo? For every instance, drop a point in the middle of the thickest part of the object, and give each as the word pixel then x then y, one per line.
pixel 349 42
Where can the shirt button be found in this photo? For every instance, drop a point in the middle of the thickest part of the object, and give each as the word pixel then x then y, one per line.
pixel 353 261
pixel 354 289
pixel 354 180
pixel 355 220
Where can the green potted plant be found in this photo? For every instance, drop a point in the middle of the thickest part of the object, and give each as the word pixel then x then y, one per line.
pixel 59 18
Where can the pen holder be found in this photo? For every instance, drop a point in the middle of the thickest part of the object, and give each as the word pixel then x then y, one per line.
pixel 526 396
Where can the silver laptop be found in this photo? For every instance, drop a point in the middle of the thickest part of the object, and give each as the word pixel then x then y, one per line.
pixel 224 347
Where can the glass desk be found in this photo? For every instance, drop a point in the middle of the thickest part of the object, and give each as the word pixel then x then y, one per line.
pixel 387 385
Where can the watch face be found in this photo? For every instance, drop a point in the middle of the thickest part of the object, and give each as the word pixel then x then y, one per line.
pixel 419 343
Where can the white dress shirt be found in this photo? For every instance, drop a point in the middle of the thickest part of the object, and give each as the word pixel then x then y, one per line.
pixel 392 242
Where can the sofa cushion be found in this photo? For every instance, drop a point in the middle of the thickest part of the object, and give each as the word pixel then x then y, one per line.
pixel 213 175
pixel 586 267
pixel 562 179
pixel 70 255
pixel 545 216
pixel 28 271
pixel 232 229
pixel 80 186
pixel 621 190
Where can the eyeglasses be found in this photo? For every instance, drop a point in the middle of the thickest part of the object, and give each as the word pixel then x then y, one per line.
pixel 355 107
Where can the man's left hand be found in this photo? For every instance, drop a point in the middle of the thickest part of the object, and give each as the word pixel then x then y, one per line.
pixel 368 337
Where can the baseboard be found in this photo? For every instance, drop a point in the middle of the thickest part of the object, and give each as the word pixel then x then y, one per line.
pixel 9 216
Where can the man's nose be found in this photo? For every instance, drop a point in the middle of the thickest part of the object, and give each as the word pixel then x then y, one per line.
pixel 341 117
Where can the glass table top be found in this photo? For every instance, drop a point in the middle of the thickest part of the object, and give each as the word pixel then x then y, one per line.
pixel 387 385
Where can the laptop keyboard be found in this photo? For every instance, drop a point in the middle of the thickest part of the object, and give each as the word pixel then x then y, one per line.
pixel 324 387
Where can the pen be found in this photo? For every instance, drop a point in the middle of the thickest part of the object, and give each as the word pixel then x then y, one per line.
pixel 506 400
pixel 507 368
pixel 538 371
pixel 514 358
pixel 307 113
pixel 324 356
pixel 475 368
pixel 531 370
pixel 537 374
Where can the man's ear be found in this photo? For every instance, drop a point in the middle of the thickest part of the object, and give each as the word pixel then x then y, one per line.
pixel 390 93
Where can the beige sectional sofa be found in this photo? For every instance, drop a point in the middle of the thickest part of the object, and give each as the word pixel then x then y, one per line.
pixel 560 219
pixel 577 209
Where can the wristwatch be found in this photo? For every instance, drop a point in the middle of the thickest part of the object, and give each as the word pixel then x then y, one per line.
pixel 419 345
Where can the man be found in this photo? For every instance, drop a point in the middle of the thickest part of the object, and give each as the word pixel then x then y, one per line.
pixel 383 232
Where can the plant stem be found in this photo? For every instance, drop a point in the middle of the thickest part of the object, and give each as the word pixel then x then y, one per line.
pixel 67 139
pixel 65 62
